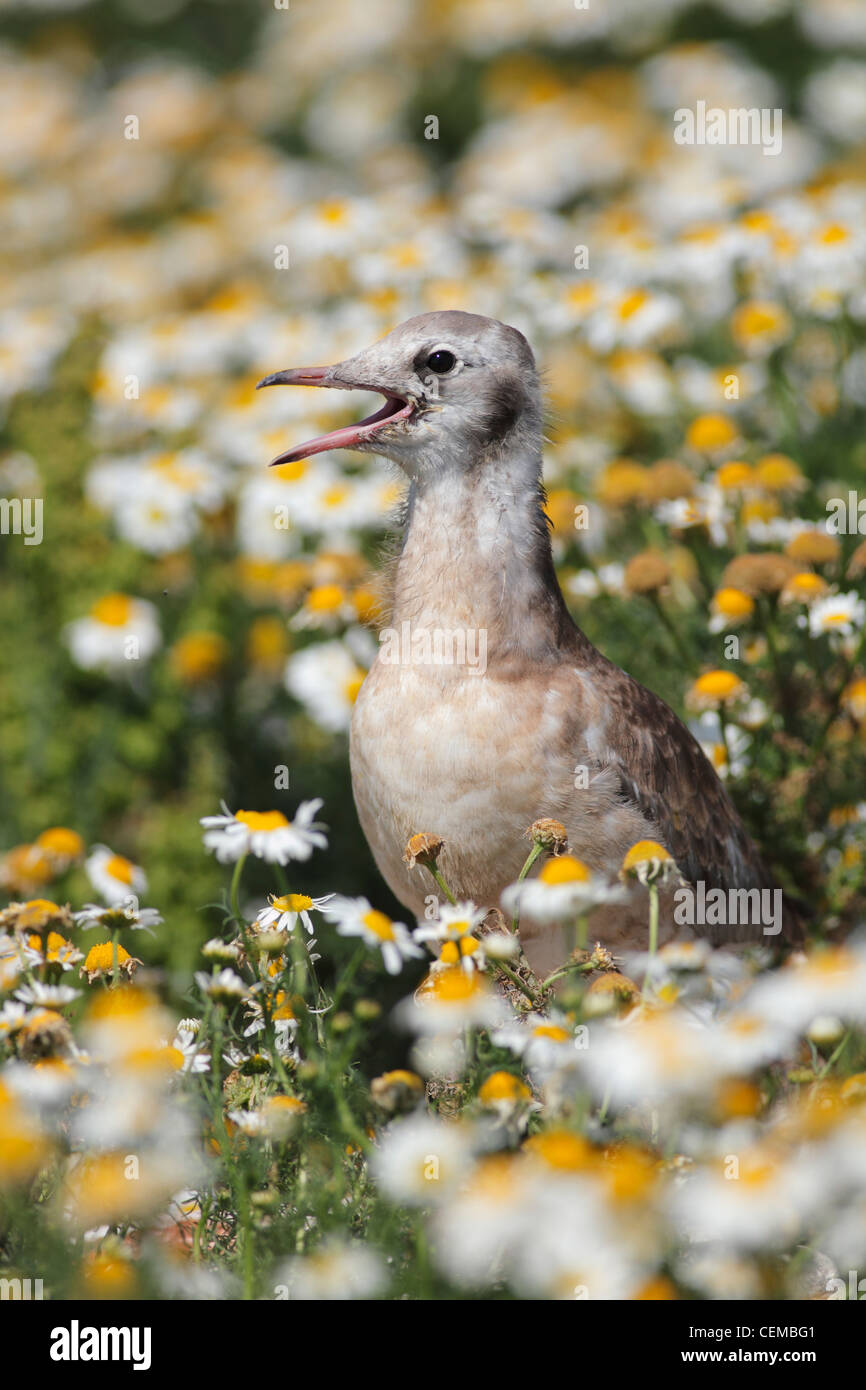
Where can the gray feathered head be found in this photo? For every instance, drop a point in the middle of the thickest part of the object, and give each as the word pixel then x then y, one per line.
pixel 456 386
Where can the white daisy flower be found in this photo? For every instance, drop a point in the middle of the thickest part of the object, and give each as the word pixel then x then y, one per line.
pixel 453 923
pixel 191 1057
pixel 47 996
pixel 335 1272
pixel 126 914
pixel 116 634
pixel 844 614
pixel 564 889
pixel 268 835
pixel 284 912
pixel 225 986
pixel 545 1044
pixel 115 878
pixel 282 1017
pixel 421 1160
pixel 356 917
pixel 11 1018
pixel 325 678
pixel 449 1001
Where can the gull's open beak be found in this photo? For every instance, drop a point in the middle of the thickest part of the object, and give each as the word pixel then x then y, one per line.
pixel 350 436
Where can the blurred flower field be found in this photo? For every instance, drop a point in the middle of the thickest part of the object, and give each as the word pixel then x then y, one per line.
pixel 228 1067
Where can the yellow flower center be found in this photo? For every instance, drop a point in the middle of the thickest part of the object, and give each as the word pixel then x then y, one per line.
pixel 833 233
pixel 502 1085
pixel 35 914
pixel 293 471
pixel 120 868
pixel 735 475
pixel 559 1148
pixel 805 585
pixel 552 1032
pixel 262 820
pixel 114 610
pixel 380 925
pixel 717 685
pixel 292 902
pixel 777 472
pixel 564 869
pixel 631 304
pixel 758 319
pixel 710 432
pixel 59 840
pixel 645 852
pixel 733 603
pixel 353 686
pixel 327 598
pixel 453 986
pixel 334 213
pixel 100 958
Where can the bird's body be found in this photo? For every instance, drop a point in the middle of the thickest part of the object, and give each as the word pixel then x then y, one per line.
pixel 488 708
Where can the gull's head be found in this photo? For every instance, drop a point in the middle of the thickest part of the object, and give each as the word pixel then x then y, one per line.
pixel 456 386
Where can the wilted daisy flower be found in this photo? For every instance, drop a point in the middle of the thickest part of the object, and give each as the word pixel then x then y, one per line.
pixel 421 1160
pixel 35 915
pixel 117 633
pixel 281 1013
pixel 283 912
pixel 336 1271
pixel 356 917
pixel 50 949
pixel 106 958
pixel 115 878
pixel 564 888
pixel 268 835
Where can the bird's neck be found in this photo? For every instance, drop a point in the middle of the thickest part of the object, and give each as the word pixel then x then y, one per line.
pixel 476 558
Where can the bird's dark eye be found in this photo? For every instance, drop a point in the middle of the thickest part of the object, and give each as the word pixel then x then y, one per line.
pixel 441 361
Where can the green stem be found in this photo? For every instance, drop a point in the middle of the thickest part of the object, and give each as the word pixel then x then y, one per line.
pixel 234 893
pixel 517 982
pixel 670 627
pixel 439 880
pixel 835 1054
pixel 348 976
pixel 530 860
pixel 653 929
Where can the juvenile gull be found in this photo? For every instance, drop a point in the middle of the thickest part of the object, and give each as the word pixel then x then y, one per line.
pixel 476 755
